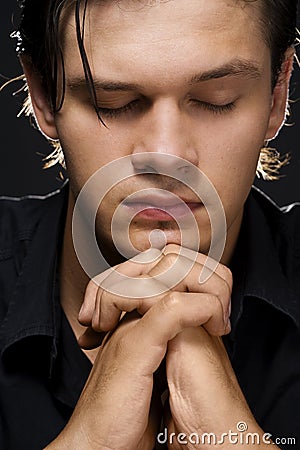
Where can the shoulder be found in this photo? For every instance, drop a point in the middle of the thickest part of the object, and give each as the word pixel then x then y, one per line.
pixel 284 227
pixel 284 218
pixel 30 232
pixel 21 215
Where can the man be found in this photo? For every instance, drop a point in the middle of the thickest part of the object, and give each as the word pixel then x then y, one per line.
pixel 175 93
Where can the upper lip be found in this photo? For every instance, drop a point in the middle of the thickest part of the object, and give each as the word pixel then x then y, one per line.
pixel 162 200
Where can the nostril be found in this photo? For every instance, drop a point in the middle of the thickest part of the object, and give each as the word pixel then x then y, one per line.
pixel 148 169
pixel 144 162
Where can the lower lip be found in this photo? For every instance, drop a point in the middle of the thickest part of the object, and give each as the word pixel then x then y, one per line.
pixel 143 211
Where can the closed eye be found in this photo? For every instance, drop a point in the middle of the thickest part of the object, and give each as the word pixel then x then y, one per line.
pixel 139 104
pixel 215 109
pixel 113 113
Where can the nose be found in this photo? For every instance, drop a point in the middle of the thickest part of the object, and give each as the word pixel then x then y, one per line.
pixel 165 144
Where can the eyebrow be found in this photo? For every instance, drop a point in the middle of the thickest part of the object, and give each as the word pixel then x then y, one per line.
pixel 236 67
pixel 80 82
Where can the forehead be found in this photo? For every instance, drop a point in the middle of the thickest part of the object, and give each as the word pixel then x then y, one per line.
pixel 143 35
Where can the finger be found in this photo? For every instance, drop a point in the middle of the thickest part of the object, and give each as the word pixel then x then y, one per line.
pixel 130 274
pixel 189 274
pixel 110 306
pixel 171 271
pixel 127 271
pixel 134 267
pixel 88 305
pixel 167 318
pixel 212 265
pixel 209 314
pixel 90 339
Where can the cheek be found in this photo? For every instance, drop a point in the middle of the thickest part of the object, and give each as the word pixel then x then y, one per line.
pixel 240 139
pixel 88 146
pixel 244 148
pixel 233 156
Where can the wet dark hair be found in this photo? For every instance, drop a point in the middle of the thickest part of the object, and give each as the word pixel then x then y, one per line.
pixel 39 38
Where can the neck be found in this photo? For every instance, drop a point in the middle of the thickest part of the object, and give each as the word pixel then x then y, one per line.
pixel 73 280
pixel 232 237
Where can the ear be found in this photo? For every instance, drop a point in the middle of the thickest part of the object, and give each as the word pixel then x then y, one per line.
pixel 42 109
pixel 280 96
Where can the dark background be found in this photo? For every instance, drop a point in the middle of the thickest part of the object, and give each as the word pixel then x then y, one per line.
pixel 21 165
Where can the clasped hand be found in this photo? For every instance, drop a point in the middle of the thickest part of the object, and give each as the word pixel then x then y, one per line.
pixel 120 406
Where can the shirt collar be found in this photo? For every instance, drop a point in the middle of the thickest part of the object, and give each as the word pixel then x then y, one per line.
pixel 257 268
pixel 33 309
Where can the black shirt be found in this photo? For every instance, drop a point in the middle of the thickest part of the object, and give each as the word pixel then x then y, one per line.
pixel 43 370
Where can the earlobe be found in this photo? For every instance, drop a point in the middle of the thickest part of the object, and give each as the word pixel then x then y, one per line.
pixel 280 97
pixel 42 109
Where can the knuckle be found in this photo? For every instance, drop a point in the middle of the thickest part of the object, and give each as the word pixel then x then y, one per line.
pixel 170 259
pixel 223 292
pixel 171 301
pixel 110 302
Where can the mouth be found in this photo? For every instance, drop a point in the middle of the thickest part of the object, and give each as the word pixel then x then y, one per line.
pixel 162 207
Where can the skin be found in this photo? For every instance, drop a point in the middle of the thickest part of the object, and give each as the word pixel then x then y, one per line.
pixel 142 46
pixel 167 120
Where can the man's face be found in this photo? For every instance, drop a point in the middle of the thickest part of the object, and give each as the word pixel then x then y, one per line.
pixel 189 78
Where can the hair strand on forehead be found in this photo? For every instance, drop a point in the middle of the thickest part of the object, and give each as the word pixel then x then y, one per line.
pixel 86 66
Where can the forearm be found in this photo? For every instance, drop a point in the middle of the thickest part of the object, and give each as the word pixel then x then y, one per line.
pixel 206 401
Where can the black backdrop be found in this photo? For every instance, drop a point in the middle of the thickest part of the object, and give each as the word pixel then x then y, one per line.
pixel 21 166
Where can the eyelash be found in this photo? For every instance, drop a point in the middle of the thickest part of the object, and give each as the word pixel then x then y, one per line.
pixel 114 113
pixel 215 109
